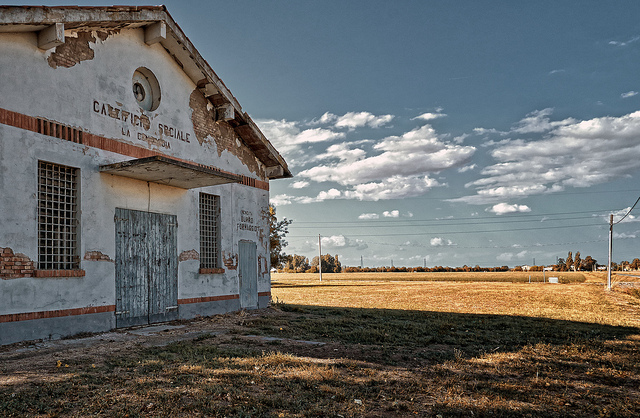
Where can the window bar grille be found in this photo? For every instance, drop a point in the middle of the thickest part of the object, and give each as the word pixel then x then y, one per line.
pixel 57 217
pixel 209 231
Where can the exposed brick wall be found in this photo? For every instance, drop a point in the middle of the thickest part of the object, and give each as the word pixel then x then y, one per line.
pixel 231 261
pixel 72 51
pixel 189 255
pixel 59 273
pixel 13 265
pixel 96 256
pixel 225 137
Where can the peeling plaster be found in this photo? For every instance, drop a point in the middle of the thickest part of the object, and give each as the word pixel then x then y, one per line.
pixel 225 138
pixel 189 255
pixel 231 261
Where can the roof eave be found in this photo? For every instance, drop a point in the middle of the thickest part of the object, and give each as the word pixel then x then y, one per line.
pixel 177 44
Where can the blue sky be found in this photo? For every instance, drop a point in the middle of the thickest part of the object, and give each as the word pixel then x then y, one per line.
pixel 445 133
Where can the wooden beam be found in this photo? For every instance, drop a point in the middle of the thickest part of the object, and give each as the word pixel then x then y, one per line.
pixel 51 36
pixel 155 33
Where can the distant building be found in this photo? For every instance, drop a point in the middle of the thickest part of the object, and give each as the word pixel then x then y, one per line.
pixel 133 187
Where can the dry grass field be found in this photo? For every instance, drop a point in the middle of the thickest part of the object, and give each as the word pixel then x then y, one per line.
pixel 371 347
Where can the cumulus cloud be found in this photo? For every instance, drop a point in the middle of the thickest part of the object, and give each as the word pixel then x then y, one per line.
pixel 299 184
pixel 288 137
pixel 617 216
pixel 395 187
pixel 538 121
pixel 429 116
pixel 281 200
pixel 629 94
pixel 440 242
pixel 414 153
pixel 352 120
pixel 340 241
pixel 511 256
pixel 391 214
pixel 571 154
pixel 502 208
pixel 369 216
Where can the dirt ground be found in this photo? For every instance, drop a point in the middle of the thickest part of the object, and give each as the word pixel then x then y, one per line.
pixel 38 361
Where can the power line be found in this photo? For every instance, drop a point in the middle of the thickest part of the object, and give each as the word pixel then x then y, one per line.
pixel 460 232
pixel 627 214
pixel 439 222
pixel 505 219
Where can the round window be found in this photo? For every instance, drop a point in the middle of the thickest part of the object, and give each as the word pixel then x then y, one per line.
pixel 146 89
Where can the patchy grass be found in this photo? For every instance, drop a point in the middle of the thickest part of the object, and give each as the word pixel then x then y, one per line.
pixel 388 349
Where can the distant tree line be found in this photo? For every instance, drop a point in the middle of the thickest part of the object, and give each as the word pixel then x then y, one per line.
pixel 294 263
pixel 300 264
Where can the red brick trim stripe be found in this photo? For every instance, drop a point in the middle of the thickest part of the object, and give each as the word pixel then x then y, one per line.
pixel 30 123
pixel 58 273
pixel 260 294
pixel 28 316
pixel 207 299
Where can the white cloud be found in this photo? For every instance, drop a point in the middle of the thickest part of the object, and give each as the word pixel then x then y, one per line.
pixel 440 242
pixel 502 208
pixel 396 187
pixel 299 184
pixel 511 256
pixel 629 94
pixel 618 214
pixel 624 235
pixel 467 168
pixel 625 43
pixel 369 216
pixel 391 214
pixel 408 215
pixel 556 71
pixel 572 154
pixel 352 120
pixel 342 152
pixel 485 131
pixel 281 200
pixel 429 116
pixel 329 195
pixel 288 138
pixel 340 241
pixel 415 153
pixel 538 121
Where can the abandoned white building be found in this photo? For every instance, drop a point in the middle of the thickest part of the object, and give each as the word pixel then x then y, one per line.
pixel 133 187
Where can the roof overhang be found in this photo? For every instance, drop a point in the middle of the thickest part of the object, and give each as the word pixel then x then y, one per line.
pixel 170 172
pixel 51 22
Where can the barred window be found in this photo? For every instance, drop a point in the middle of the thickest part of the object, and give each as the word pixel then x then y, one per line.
pixel 57 217
pixel 209 231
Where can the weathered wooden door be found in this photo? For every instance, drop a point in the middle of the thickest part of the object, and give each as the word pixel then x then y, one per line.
pixel 146 267
pixel 248 274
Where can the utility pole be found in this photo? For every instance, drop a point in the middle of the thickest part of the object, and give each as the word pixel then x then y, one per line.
pixel 361 263
pixel 320 255
pixel 610 251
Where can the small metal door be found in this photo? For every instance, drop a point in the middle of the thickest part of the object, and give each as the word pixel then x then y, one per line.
pixel 146 267
pixel 248 274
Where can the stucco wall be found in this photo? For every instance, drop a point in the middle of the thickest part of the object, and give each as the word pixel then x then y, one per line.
pixel 93 95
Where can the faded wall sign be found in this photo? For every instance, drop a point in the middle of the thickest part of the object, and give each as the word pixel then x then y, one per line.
pixel 247 222
pixel 133 120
